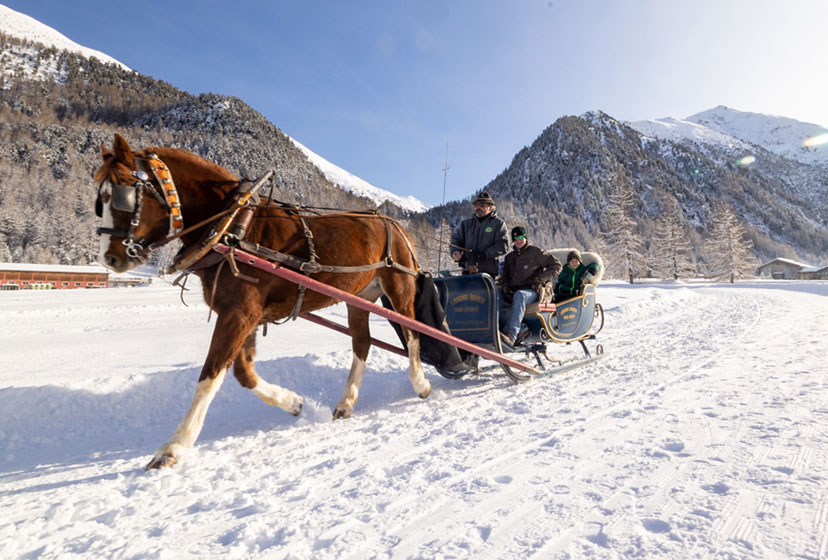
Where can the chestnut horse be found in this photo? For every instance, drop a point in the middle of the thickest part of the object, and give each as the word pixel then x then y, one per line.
pixel 136 213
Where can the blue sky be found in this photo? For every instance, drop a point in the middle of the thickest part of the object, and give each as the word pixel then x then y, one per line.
pixel 380 87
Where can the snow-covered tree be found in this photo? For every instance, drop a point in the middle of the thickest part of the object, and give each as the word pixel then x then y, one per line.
pixel 671 246
pixel 729 252
pixel 5 254
pixel 620 238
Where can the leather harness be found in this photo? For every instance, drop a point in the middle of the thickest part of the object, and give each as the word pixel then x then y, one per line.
pixel 231 230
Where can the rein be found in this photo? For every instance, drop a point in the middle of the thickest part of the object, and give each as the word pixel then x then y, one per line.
pixel 311 266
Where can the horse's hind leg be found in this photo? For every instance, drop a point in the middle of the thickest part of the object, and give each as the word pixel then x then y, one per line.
pixel 269 393
pixel 360 343
pixel 403 301
pixel 415 367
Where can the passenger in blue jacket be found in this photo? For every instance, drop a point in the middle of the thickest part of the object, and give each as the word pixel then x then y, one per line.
pixel 479 241
pixel 572 276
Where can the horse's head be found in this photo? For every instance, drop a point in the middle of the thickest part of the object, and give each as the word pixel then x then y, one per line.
pixel 135 208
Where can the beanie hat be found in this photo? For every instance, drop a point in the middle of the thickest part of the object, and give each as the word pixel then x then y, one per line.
pixel 518 230
pixel 574 254
pixel 484 198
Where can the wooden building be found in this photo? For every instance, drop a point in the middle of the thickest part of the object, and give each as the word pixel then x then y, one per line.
pixel 22 276
pixel 786 269
pixel 814 273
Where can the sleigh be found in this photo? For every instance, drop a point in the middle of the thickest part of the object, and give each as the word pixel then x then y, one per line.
pixel 471 307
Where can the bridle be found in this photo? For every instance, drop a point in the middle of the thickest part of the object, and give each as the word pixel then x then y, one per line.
pixel 130 198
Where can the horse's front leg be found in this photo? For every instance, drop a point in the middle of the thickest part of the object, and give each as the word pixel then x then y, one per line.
pixel 229 335
pixel 271 394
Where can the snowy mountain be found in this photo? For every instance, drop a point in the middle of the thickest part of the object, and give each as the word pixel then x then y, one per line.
pixel 359 187
pixel 559 185
pixel 684 131
pixel 58 106
pixel 737 130
pixel 780 135
pixel 24 27
pixel 27 62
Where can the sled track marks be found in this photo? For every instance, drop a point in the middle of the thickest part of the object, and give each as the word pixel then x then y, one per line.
pixel 679 494
pixel 514 508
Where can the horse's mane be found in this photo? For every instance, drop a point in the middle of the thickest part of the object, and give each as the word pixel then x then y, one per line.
pixel 190 159
pixel 216 172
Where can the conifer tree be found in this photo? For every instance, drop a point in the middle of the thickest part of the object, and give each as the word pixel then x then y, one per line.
pixel 731 254
pixel 620 239
pixel 671 246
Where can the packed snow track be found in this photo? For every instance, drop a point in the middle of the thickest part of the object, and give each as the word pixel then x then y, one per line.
pixel 702 433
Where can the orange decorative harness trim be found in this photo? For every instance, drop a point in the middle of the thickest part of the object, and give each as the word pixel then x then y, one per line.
pixel 162 175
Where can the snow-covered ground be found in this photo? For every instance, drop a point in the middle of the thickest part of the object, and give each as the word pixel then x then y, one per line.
pixel 702 434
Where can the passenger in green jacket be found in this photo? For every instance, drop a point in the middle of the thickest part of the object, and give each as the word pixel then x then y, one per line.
pixel 572 276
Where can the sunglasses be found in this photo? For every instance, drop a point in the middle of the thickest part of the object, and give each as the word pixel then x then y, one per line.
pixel 516 237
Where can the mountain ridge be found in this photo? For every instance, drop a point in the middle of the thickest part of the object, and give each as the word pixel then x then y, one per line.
pixel 23 27
pixel 558 186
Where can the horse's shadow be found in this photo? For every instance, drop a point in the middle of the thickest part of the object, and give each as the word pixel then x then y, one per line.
pixel 58 428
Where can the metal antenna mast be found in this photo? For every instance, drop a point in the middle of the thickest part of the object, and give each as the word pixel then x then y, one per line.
pixel 446 167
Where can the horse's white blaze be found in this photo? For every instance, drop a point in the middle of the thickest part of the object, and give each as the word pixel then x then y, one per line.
pixel 107 221
pixel 190 427
pixel 415 368
pixel 276 396
pixel 349 397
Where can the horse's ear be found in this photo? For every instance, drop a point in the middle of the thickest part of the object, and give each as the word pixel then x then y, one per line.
pixel 105 153
pixel 122 151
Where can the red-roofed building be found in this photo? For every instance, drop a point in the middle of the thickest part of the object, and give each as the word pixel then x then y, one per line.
pixel 22 276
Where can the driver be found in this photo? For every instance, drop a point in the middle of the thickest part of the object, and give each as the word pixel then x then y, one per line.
pixel 483 236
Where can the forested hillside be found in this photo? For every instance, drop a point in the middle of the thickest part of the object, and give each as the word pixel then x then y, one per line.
pixel 56 109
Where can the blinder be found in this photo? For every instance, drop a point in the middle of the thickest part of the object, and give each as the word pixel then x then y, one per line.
pixel 124 197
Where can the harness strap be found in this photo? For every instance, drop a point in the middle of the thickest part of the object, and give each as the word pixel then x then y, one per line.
pixel 221 228
pixel 309 267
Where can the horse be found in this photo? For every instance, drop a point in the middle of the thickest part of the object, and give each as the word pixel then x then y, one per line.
pixel 147 197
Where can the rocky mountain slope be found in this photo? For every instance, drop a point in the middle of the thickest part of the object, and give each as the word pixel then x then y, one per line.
pixel 559 185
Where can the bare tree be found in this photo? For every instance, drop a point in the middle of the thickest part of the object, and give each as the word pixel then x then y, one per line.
pixel 620 237
pixel 731 254
pixel 671 245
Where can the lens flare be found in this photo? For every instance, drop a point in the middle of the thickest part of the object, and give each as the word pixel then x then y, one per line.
pixel 817 140
pixel 745 161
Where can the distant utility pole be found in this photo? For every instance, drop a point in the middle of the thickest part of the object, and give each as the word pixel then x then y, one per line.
pixel 446 167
